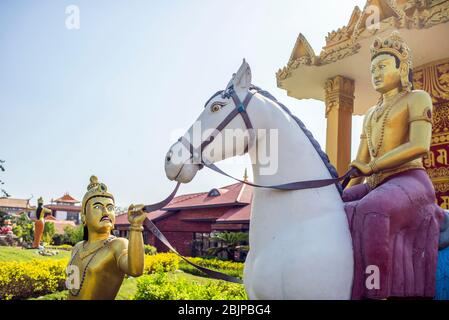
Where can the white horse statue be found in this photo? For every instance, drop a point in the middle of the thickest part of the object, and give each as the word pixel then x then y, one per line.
pixel 300 243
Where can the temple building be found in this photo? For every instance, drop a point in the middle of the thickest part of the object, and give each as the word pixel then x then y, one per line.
pixel 189 220
pixel 339 75
pixel 15 206
pixel 65 208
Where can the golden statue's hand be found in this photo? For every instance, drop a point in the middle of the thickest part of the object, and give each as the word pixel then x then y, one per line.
pixel 136 215
pixel 364 169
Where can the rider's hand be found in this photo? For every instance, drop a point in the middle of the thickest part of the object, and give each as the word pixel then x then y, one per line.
pixel 136 215
pixel 363 168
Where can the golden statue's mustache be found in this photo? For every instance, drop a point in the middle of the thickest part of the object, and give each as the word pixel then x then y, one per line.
pixel 105 218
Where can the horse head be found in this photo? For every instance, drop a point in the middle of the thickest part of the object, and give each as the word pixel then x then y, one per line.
pixel 217 134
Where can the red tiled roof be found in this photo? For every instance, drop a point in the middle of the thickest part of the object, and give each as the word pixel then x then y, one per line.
pixel 238 214
pixel 56 207
pixel 123 218
pixel 237 193
pixel 66 198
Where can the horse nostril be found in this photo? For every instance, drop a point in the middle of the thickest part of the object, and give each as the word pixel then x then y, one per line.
pixel 169 155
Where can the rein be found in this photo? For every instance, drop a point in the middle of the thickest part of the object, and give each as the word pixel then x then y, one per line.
pixel 240 109
pixel 158 234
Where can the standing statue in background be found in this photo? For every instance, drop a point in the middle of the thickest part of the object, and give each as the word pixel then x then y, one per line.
pixel 100 262
pixel 393 217
pixel 40 222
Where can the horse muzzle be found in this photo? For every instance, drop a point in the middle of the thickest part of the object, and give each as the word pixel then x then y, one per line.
pixel 179 165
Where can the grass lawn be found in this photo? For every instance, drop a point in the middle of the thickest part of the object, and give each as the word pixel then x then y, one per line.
pixel 19 254
pixel 129 287
pixel 126 292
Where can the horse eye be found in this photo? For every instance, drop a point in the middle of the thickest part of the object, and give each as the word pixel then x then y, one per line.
pixel 215 107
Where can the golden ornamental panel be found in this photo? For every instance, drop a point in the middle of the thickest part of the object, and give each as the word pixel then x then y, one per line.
pixel 434 78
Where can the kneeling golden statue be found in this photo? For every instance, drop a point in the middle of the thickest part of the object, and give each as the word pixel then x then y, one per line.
pixel 99 263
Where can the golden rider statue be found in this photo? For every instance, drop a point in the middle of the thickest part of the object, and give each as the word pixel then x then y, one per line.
pixel 100 262
pixel 393 217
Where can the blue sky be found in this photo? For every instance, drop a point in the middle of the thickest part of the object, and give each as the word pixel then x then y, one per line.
pixel 107 98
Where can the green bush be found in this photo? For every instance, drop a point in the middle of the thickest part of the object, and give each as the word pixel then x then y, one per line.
pixel 49 232
pixel 57 239
pixel 164 262
pixel 160 286
pixel 234 269
pixel 150 250
pixel 20 280
pixel 73 235
pixel 23 227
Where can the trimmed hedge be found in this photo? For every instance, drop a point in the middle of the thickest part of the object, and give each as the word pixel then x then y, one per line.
pixel 164 262
pixel 234 269
pixel 20 280
pixel 160 286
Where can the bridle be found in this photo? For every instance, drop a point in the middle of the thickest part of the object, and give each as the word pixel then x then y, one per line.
pixel 196 154
pixel 241 109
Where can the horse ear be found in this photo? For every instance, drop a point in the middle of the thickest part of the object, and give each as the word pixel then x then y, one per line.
pixel 242 79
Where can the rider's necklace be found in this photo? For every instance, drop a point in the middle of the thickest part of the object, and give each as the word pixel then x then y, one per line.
pixel 380 109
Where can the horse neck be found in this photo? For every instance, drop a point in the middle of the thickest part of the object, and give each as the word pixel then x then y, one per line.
pixel 297 159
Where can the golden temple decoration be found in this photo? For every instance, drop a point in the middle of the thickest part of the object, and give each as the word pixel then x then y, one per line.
pixel 339 94
pixel 344 42
pixel 434 78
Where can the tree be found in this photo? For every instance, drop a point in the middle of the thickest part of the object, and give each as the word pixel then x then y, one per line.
pixel 73 235
pixel 49 231
pixel 23 227
pixel 2 169
pixel 230 243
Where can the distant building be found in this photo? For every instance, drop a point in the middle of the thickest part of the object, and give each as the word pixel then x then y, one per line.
pixel 65 208
pixel 189 220
pixel 15 206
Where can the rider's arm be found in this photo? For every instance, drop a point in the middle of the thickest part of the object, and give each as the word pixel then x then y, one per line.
pixel 420 135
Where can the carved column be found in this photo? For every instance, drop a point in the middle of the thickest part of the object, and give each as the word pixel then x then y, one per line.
pixel 339 101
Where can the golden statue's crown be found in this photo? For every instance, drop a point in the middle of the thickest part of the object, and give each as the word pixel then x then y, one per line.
pixel 95 189
pixel 393 44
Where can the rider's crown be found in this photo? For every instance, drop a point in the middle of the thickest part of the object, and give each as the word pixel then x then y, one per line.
pixel 393 44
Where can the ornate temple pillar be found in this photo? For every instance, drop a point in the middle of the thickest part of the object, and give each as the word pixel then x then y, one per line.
pixel 339 101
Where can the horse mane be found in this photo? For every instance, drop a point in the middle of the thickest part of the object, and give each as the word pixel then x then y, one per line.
pixel 333 172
